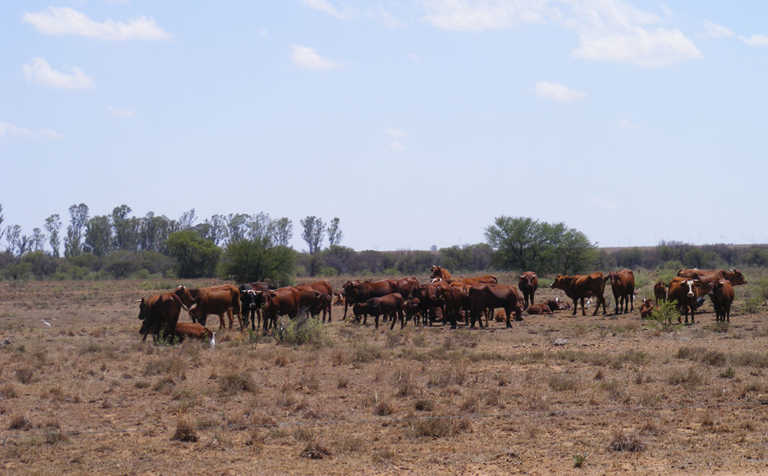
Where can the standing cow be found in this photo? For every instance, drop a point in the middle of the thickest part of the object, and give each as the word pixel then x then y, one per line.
pixel 582 286
pixel 528 283
pixel 491 296
pixel 660 292
pixel 686 292
pixel 159 315
pixel 722 298
pixel 623 287
pixel 218 300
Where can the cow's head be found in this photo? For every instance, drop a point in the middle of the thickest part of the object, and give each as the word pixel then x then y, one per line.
pixel 735 277
pixel 436 271
pixel 184 294
pixel 528 278
pixel 143 309
pixel 559 282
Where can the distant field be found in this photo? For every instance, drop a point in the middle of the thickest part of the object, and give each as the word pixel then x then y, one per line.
pixel 85 395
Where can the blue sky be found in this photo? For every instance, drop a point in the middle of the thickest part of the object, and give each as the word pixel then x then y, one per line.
pixel 414 121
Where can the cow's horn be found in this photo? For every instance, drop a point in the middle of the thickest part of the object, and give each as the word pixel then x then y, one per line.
pixel 192 307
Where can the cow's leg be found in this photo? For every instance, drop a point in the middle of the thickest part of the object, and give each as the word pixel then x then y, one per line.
pixel 618 301
pixel 533 294
pixel 376 318
pixel 632 301
pixel 506 311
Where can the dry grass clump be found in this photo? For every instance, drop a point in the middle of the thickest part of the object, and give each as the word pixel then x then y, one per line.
pixel 164 385
pixel 383 408
pixel 232 383
pixel 303 433
pixel 703 355
pixel 563 382
pixel 24 375
pixel 456 374
pixel 342 382
pixel 349 444
pixel 404 383
pixel 364 353
pixel 185 431
pixel 438 426
pixel 470 405
pixel 383 456
pixel 622 442
pixel 20 422
pixel 309 382
pixel 688 378
pixel 172 366
pixel 8 391
pixel 424 405
pixel 315 451
pixel 750 359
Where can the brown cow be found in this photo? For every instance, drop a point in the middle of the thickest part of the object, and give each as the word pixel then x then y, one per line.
pixel 581 286
pixel 324 287
pixel 539 309
pixel 432 305
pixel 360 291
pixel 216 300
pixel 491 296
pixel 159 315
pixel 412 310
pixel 660 292
pixel 193 330
pixel 685 291
pixel 528 283
pixel 646 308
pixel 733 275
pixel 722 298
pixel 623 287
pixel 455 298
pixel 389 305
pixel 405 286
pixel 290 301
pixel 438 272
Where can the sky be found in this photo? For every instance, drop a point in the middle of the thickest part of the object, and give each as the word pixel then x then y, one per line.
pixel 416 122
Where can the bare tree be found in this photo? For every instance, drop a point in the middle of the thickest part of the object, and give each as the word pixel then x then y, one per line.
pixel 53 225
pixel 38 239
pixel 281 231
pixel 2 219
pixel 258 226
pixel 73 243
pixel 187 219
pixel 314 229
pixel 334 232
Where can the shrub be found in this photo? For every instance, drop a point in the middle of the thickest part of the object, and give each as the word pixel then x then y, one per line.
pixel 232 383
pixel 383 408
pixel 185 431
pixel 752 305
pixel 562 382
pixel 622 442
pixel 438 426
pixel 728 373
pixel 302 331
pixel 423 405
pixel 20 422
pixel 24 375
pixel 666 315
pixel 257 260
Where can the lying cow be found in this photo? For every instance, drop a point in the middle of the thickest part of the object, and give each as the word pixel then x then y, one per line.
pixel 558 305
pixel 646 308
pixel 539 309
pixel 194 330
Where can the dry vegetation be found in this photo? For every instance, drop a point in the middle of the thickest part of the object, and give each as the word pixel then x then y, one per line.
pixel 622 395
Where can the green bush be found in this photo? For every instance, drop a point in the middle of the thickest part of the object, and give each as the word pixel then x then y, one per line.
pixel 196 256
pixel 666 315
pixel 301 331
pixel 257 260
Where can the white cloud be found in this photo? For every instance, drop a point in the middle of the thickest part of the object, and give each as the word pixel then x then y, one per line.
pixel 714 30
pixel 10 130
pixel 558 92
pixel 121 113
pixel 324 6
pixel 755 40
pixel 39 71
pixel 626 124
pixel 67 21
pixel 608 30
pixel 307 58
pixel 396 136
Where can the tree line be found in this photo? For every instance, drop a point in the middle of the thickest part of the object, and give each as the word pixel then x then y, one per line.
pixel 248 247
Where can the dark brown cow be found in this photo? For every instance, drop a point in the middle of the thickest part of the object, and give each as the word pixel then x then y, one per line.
pixel 360 310
pixel 623 287
pixel 405 286
pixel 581 286
pixel 290 301
pixel 722 298
pixel 193 330
pixel 389 305
pixel 685 291
pixel 361 291
pixel 159 315
pixel 216 300
pixel 646 308
pixel 455 298
pixel 432 305
pixel 733 275
pixel 660 292
pixel 412 310
pixel 528 283
pixel 324 287
pixel 539 309
pixel 491 296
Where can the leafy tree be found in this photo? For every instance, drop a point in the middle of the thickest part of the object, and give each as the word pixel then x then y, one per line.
pixel 334 232
pixel 258 226
pixel 314 229
pixel 237 226
pixel 154 232
pixel 257 260
pixel 73 243
pixel 38 239
pixel 194 255
pixel 126 229
pixel 53 225
pixel 98 235
pixel 187 219
pixel 281 231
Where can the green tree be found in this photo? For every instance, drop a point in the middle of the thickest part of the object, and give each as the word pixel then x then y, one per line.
pixel 257 260
pixel 195 256
pixel 281 231
pixel 53 225
pixel 334 232
pixel 73 243
pixel 98 235
pixel 314 229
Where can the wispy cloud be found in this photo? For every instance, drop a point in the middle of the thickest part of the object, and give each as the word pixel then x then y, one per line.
pixel 755 40
pixel 396 136
pixel 39 71
pixel 8 130
pixel 608 30
pixel 121 112
pixel 67 21
pixel 558 92
pixel 324 6
pixel 713 30
pixel 307 58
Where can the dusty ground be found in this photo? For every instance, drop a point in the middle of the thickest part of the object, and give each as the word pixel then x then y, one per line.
pixel 86 396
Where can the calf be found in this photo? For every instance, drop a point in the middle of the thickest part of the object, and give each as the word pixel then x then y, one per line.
pixel 558 305
pixel 539 309
pixel 660 292
pixel 528 283
pixel 412 310
pixel 722 298
pixel 193 330
pixel 390 305
pixel 646 308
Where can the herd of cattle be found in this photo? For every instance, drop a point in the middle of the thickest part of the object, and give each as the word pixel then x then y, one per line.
pixel 444 298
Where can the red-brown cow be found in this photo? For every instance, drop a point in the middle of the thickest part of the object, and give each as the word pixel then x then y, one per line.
pixel 722 298
pixel 159 315
pixel 405 286
pixel 539 309
pixel 361 291
pixel 216 300
pixel 412 310
pixel 491 296
pixel 290 301
pixel 389 305
pixel 431 304
pixel 685 291
pixel 646 308
pixel 323 287
pixel 582 286
pixel 528 283
pixel 623 287
pixel 660 292
pixel 193 330
pixel 733 275
pixel 438 272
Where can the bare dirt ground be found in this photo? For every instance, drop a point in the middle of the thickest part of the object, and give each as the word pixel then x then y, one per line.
pixel 85 395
